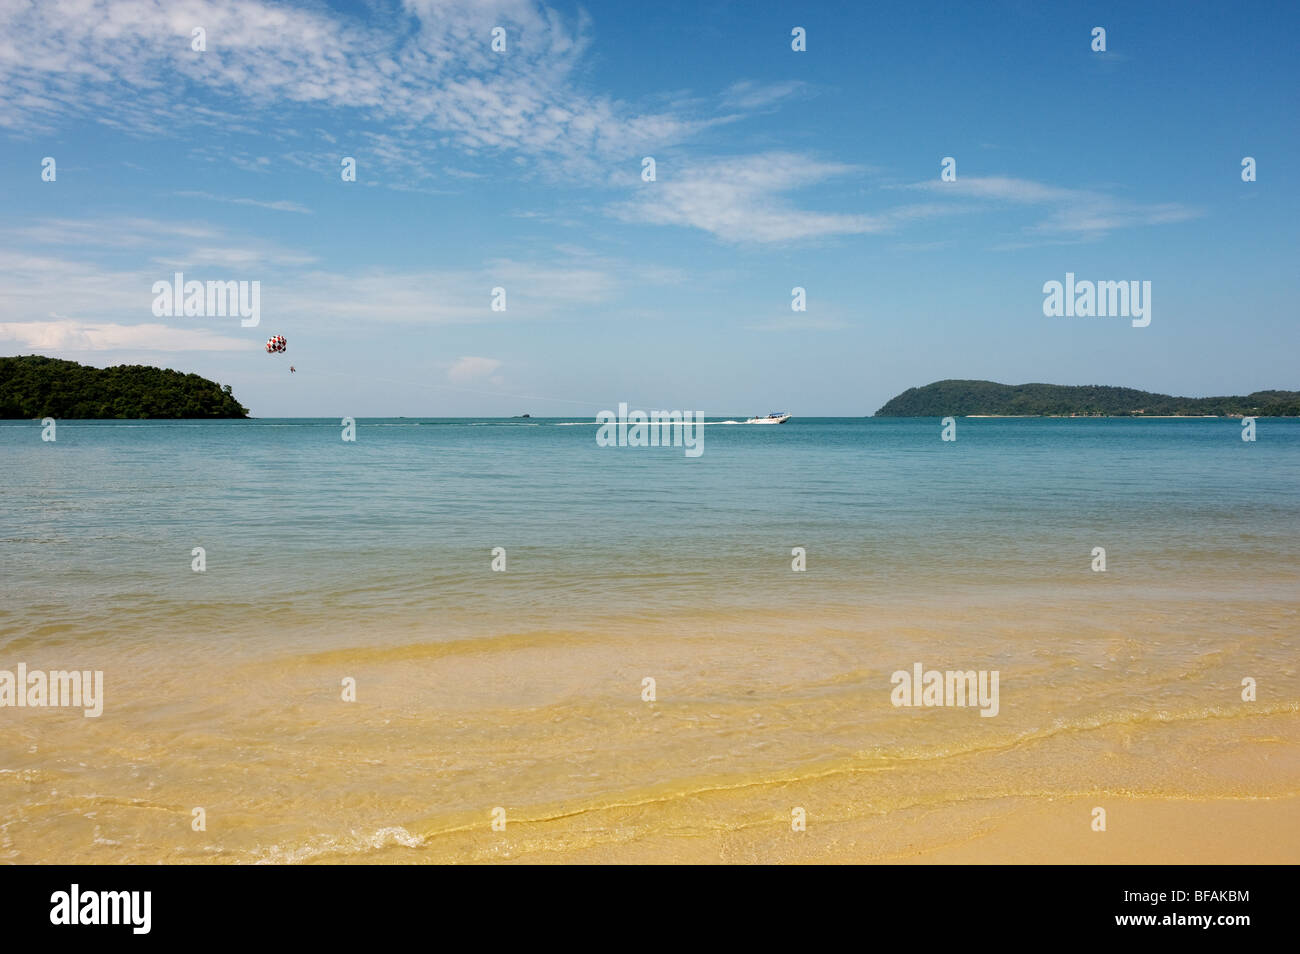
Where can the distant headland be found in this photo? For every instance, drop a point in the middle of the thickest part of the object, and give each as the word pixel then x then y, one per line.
pixel 33 386
pixel 975 398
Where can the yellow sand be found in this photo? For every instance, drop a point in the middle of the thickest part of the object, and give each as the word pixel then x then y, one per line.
pixel 1139 712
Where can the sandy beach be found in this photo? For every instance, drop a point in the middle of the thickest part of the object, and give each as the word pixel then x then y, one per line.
pixel 750 722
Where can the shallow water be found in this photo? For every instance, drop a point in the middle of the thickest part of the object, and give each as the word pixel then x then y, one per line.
pixel 523 689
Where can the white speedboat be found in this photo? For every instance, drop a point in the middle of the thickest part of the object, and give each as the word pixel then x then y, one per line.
pixel 776 417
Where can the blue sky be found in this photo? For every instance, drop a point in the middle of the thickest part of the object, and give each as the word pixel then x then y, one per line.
pixel 775 169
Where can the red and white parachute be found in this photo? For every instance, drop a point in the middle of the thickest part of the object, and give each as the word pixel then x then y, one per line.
pixel 276 344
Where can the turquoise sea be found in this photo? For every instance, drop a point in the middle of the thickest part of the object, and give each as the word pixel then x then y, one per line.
pixel 97 528
pixel 372 560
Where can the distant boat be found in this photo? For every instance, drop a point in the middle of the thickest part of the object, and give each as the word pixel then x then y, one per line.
pixel 776 417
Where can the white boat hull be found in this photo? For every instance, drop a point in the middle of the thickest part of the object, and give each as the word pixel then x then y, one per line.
pixel 779 419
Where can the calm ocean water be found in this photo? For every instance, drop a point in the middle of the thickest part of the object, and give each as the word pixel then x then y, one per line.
pixel 372 560
pixel 96 529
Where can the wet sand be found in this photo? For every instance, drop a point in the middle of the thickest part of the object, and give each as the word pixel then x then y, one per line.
pixel 751 720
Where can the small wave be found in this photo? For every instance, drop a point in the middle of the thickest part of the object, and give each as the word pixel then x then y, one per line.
pixel 354 844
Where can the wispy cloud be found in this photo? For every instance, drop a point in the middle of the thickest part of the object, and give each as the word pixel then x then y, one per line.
pixel 469 369
pixel 176 244
pixel 749 94
pixel 251 257
pixel 280 205
pixel 110 231
pixel 78 276
pixel 533 291
pixel 1070 213
pixel 64 335
pixel 423 79
pixel 743 199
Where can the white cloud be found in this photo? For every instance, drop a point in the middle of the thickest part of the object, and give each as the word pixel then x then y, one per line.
pixel 33 286
pixel 1080 213
pixel 533 291
pixel 245 258
pixel 279 205
pixel 469 369
pixel 741 199
pixel 748 94
pixel 69 335
pixel 999 187
pixel 117 232
pixel 423 97
pixel 423 72
pixel 188 243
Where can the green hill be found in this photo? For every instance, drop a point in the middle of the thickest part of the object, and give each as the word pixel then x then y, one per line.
pixel 33 386
pixel 957 398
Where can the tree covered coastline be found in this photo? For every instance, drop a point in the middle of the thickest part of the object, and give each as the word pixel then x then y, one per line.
pixel 33 386
pixel 961 398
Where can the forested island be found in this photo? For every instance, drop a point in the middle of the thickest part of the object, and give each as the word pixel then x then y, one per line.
pixel 32 386
pixel 967 398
